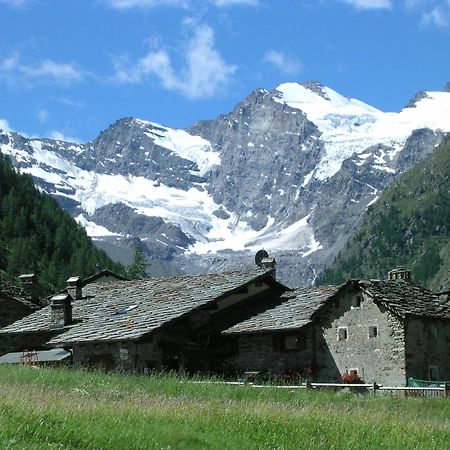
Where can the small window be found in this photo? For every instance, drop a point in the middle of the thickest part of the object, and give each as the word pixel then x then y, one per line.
pixel 356 301
pixel 373 331
pixel 342 334
pixel 289 342
pixel 433 373
pixel 432 333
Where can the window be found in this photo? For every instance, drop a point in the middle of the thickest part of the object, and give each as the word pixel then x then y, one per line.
pixel 342 334
pixel 356 301
pixel 289 342
pixel 373 331
pixel 432 332
pixel 433 373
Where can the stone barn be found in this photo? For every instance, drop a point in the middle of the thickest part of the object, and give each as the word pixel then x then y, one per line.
pixel 15 303
pixel 155 323
pixel 382 331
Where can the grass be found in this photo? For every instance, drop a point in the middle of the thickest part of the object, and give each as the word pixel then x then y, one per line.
pixel 68 409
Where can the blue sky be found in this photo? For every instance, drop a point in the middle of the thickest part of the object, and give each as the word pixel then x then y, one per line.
pixel 71 68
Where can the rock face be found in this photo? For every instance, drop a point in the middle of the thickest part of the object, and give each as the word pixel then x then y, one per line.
pixel 292 170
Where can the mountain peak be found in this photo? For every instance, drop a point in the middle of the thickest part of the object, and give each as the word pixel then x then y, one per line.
pixel 316 87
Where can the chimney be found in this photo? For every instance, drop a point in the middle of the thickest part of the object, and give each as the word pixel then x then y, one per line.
pixel 61 311
pixel 268 263
pixel 74 287
pixel 263 260
pixel 399 273
pixel 30 285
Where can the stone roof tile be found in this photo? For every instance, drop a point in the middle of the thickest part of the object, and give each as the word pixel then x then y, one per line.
pixel 295 311
pixel 123 310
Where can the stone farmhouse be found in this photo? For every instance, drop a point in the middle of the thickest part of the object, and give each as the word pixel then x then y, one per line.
pixel 227 323
pixel 160 323
pixel 381 331
pixel 16 303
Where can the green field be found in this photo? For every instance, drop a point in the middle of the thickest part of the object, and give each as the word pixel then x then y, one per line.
pixel 68 409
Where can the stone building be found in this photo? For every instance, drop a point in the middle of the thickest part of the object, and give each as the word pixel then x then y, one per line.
pixel 15 303
pixel 160 323
pixel 382 331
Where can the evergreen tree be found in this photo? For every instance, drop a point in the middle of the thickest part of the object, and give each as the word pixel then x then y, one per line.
pixel 408 226
pixel 36 235
pixel 136 271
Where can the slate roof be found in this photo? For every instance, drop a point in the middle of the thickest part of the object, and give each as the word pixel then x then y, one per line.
pixel 400 297
pixel 124 310
pixel 103 273
pixel 404 299
pixel 53 355
pixel 295 311
pixel 10 292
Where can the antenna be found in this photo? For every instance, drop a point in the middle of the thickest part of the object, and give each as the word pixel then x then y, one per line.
pixel 260 255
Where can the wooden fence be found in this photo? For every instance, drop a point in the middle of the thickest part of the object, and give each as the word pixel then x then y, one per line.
pixel 442 391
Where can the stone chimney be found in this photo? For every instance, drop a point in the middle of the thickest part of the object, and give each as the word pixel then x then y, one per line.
pixel 61 311
pixel 263 260
pixel 399 273
pixel 268 263
pixel 30 285
pixel 74 287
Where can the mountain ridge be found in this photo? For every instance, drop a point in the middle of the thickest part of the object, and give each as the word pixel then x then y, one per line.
pixel 290 170
pixel 409 226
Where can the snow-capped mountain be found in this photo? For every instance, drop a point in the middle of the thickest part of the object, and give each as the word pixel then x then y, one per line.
pixel 291 170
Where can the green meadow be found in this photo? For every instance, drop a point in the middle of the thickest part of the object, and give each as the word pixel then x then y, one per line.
pixel 69 409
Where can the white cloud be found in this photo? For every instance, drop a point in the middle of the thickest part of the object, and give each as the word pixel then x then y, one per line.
pixel 57 135
pixel 235 2
pixel 369 4
pixel 437 16
pixel 285 64
pixel 127 4
pixel 60 72
pixel 4 125
pixel 204 72
pixel 12 69
pixel 15 3
pixel 43 115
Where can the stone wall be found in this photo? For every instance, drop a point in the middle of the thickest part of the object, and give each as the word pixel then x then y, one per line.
pixel 257 352
pixel 18 342
pixel 379 358
pixel 428 344
pixel 125 356
pixel 12 310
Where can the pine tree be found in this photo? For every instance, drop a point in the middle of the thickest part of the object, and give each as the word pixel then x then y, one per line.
pixel 136 271
pixel 37 236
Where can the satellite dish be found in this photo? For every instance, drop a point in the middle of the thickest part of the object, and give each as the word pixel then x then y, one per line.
pixel 260 255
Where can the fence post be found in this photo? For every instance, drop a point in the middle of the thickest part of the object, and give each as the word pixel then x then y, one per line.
pixel 446 389
pixel 308 384
pixel 374 388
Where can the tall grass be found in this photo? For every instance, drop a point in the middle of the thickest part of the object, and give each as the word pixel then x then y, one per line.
pixel 63 408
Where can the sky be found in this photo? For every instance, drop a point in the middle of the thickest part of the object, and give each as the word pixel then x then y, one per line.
pixel 69 69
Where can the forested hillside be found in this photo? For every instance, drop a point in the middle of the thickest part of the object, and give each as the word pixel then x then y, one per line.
pixel 408 226
pixel 36 235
